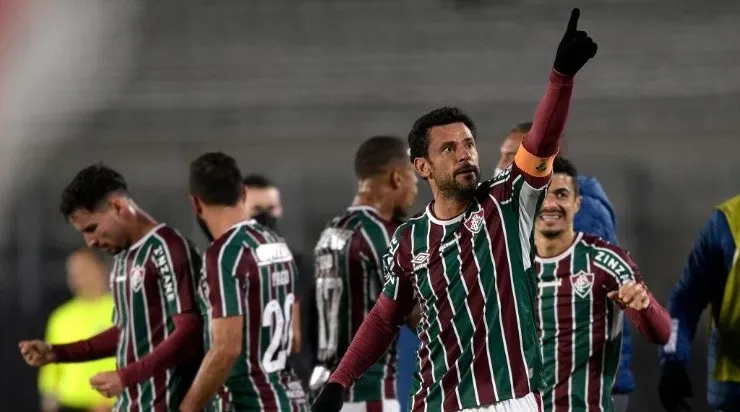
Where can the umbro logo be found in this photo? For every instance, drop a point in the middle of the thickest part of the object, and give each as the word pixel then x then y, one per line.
pixel 420 260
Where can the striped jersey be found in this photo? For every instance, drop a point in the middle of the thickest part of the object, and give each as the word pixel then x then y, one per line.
pixel 348 269
pixel 249 271
pixel 473 277
pixel 580 329
pixel 152 281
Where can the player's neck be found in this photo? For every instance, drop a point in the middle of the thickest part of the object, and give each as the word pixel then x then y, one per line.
pixel 446 208
pixel 224 218
pixel 370 193
pixel 548 247
pixel 380 205
pixel 144 224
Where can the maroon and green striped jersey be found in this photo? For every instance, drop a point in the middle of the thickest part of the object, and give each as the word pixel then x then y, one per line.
pixel 349 279
pixel 580 329
pixel 473 277
pixel 152 281
pixel 249 271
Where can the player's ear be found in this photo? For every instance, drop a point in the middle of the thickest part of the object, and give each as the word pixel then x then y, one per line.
pixel 578 204
pixel 117 204
pixel 244 193
pixel 396 180
pixel 422 167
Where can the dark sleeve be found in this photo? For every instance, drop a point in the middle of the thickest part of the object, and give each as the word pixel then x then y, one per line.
pixel 375 336
pixel 539 147
pixel 102 345
pixel 182 344
pixel 653 323
pixel 704 269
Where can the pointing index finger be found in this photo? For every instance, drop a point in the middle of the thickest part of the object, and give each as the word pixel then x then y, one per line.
pixel 573 22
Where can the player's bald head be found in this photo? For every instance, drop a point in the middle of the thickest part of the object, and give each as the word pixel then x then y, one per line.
pixel 377 153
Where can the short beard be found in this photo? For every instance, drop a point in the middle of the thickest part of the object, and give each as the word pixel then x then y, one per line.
pixel 451 189
pixel 204 229
pixel 551 234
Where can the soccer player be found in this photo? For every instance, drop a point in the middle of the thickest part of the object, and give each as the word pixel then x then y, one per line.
pixel 348 266
pixel 583 284
pixel 155 313
pixel 246 296
pixel 710 278
pixel 594 217
pixel 467 261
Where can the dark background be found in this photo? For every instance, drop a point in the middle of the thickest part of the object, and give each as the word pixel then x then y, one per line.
pixel 290 88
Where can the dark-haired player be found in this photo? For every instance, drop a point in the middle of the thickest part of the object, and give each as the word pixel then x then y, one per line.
pixel 584 283
pixel 467 261
pixel 153 283
pixel 246 295
pixel 348 266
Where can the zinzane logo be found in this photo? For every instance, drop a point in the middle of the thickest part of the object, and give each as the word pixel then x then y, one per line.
pixel 583 283
pixel 613 265
pixel 137 278
pixel 475 221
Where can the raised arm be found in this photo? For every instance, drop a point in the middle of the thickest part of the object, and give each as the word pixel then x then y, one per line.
pixel 539 147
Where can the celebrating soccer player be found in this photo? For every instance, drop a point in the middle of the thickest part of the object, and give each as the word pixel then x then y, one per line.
pixel 467 261
pixel 155 312
pixel 246 296
pixel 348 266
pixel 583 284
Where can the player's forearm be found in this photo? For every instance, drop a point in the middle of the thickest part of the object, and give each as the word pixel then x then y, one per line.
pixel 543 140
pixel 181 345
pixel 211 376
pixel 653 323
pixel 377 333
pixel 100 346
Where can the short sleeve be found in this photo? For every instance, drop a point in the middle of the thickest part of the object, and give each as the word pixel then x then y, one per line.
pixel 226 270
pixel 177 262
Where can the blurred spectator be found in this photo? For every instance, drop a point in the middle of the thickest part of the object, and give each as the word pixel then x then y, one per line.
pixel 65 386
pixel 263 200
pixel 711 278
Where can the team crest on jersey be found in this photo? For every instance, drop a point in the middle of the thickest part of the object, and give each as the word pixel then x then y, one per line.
pixel 137 278
pixel 474 222
pixel 582 283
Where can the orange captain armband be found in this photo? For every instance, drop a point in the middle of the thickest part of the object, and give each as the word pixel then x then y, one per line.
pixel 533 165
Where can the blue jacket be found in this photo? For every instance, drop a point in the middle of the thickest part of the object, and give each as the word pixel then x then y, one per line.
pixel 703 283
pixel 596 217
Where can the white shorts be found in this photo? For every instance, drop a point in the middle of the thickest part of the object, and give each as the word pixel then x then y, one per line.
pixel 386 405
pixel 528 403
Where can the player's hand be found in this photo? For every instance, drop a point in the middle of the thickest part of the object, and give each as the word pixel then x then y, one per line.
pixel 330 399
pixel 36 352
pixel 109 384
pixel 674 387
pixel 631 295
pixel 575 49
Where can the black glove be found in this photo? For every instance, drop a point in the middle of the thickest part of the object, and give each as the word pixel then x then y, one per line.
pixel 574 49
pixel 330 399
pixel 674 387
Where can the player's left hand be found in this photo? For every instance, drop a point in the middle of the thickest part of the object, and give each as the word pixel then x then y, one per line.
pixel 575 48
pixel 109 384
pixel 631 295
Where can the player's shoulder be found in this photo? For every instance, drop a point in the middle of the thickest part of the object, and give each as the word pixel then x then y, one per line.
pixel 170 237
pixel 608 256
